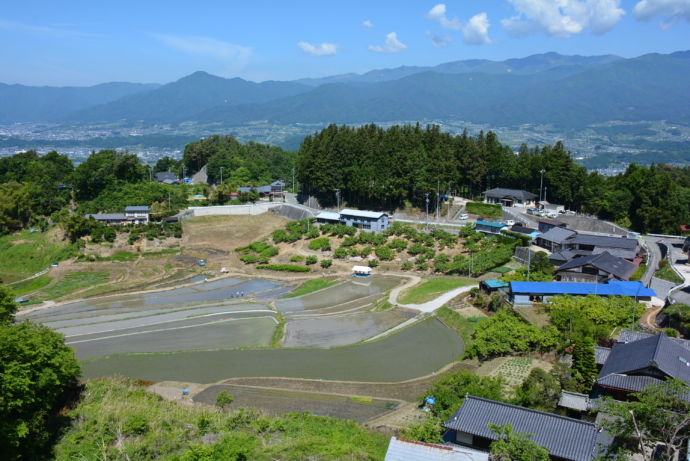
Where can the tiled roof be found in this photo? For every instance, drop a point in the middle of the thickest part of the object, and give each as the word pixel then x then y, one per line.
pixel 604 241
pixel 363 213
pixel 410 450
pixel 514 194
pixel 557 235
pixel 606 262
pixel 107 216
pixel 601 354
pixel 258 189
pixel 574 401
pixel 565 438
pixel 657 352
pixel 166 175
pixel 628 336
pixel 628 383
pixel 620 252
pixel 135 209
pixel 613 288
pixel 523 230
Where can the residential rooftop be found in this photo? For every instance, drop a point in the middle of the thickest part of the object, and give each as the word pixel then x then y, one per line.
pixel 612 288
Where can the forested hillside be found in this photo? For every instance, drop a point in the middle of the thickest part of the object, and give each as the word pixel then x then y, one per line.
pixel 386 168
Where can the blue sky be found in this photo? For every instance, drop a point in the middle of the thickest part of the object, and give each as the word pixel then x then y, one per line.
pixel 89 42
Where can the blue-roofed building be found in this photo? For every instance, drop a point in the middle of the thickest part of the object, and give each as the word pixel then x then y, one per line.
pixel 492 286
pixel 489 227
pixel 526 293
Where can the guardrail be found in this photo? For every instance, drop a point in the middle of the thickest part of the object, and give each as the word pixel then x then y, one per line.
pixel 667 236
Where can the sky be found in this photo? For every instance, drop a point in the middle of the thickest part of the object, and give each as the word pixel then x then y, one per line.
pixel 79 43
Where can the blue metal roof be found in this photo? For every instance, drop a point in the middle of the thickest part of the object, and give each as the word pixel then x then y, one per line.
pixel 498 225
pixel 613 288
pixel 496 283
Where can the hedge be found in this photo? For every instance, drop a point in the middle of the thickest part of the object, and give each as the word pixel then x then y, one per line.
pixel 284 267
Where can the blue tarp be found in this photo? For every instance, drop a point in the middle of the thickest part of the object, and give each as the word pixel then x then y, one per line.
pixel 495 283
pixel 613 288
pixel 498 225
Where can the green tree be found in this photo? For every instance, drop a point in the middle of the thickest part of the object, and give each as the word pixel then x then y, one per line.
pixel 540 390
pixel 450 390
pixel 515 446
pixel 36 369
pixel 429 431
pixel 584 363
pixel 224 399
pixel 658 414
pixel 7 306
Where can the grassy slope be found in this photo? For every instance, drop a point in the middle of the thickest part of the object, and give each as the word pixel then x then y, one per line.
pixel 430 289
pixel 462 325
pixel 34 252
pixel 487 210
pixel 72 282
pixel 27 286
pixel 666 272
pixel 118 420
pixel 312 285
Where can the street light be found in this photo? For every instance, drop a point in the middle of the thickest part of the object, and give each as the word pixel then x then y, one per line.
pixel 541 184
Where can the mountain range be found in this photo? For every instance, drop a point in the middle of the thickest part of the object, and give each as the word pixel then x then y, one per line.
pixel 566 91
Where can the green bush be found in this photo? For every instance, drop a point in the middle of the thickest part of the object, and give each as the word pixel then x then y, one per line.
pixel 311 260
pixel 398 244
pixel 406 266
pixel 323 244
pixel 340 253
pixel 373 262
pixel 384 253
pixel 326 263
pixel 296 258
pixel 284 267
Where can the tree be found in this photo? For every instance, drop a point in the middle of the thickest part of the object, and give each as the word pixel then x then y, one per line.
pixel 450 390
pixel 7 306
pixel 659 414
pixel 224 399
pixel 584 363
pixel 428 431
pixel 515 446
pixel 540 390
pixel 36 369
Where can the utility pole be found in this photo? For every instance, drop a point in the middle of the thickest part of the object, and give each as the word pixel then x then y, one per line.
pixel 438 199
pixel 169 204
pixel 293 179
pixel 221 174
pixel 426 195
pixel 529 261
pixel 541 184
pixel 337 198
pixel 545 189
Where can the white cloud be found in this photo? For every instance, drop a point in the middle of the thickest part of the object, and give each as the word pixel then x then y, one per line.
pixel 439 41
pixel 563 18
pixel 368 24
pixel 57 31
pixel 438 14
pixel 391 45
pixel 325 49
pixel 476 32
pixel 670 10
pixel 206 46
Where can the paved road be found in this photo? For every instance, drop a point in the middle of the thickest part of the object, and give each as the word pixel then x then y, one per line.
pixel 653 258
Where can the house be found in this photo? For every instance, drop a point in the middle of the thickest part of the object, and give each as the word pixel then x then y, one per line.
pixel 362 219
pixel 167 177
pixel 410 450
pixel 273 190
pixel 546 225
pixel 561 257
pixel 509 197
pixel 277 188
pixel 596 268
pixel 137 214
pixel 527 293
pixel 489 227
pixel 528 231
pixel 565 438
pixel 589 242
pixel 555 238
pixel 328 217
pixel 636 365
pixel 108 218
pixel 551 207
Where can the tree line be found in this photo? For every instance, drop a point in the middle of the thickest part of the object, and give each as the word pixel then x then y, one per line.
pixel 374 167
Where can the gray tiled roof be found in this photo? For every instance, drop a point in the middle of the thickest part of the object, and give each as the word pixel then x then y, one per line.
pixel 565 438
pixel 135 209
pixel 601 354
pixel 522 229
pixel 628 336
pixel 604 241
pixel 657 352
pixel 574 401
pixel 514 194
pixel 258 189
pixel 107 216
pixel 409 450
pixel 606 262
pixel 620 252
pixel 557 235
pixel 627 382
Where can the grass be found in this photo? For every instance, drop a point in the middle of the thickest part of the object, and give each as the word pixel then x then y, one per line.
pixel 486 210
pixel 27 286
pixel 26 253
pixel 639 272
pixel 463 326
pixel 312 285
pixel 118 419
pixel 431 289
pixel 72 282
pixel 666 272
pixel 502 270
pixel 279 332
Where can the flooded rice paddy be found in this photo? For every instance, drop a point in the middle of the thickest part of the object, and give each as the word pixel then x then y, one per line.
pixel 210 331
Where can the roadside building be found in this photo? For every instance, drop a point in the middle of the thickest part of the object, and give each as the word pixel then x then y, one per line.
pixel 489 227
pixel 277 189
pixel 362 219
pixel 410 450
pixel 328 217
pixel 108 218
pixel 565 438
pixel 509 197
pixel 555 238
pixel 546 225
pixel 273 190
pixel 589 242
pixel 137 214
pixel 527 293
pixel 551 207
pixel 493 286
pixel 599 268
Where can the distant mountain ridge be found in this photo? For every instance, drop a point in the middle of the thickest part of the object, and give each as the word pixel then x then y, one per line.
pixel 549 88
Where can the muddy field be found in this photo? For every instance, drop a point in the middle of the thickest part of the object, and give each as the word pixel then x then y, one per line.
pixel 277 401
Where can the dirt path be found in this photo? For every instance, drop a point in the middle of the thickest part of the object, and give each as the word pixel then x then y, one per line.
pixel 648 319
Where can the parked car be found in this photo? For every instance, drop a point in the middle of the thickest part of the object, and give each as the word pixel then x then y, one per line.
pixel 464 216
pixel 532 211
pixel 552 214
pixel 201 262
pixel 510 222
